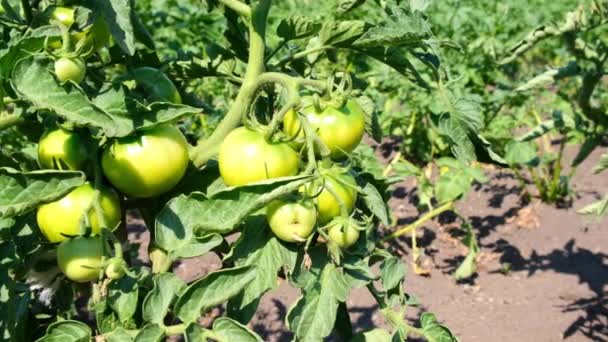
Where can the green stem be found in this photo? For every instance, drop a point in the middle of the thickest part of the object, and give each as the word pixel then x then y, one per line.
pixel 302 54
pixel 27 10
pixel 412 226
pixel 390 165
pixel 10 120
pixel 237 6
pixel 208 148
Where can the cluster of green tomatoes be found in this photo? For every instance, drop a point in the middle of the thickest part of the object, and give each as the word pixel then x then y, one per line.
pixel 247 156
pixel 152 161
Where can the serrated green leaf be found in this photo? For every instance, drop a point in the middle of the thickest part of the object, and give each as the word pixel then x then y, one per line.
pixel 232 330
pixel 392 272
pixel 297 27
pixel 451 186
pixel 602 164
pixel 123 296
pixel 214 289
pixel 151 333
pixel 257 246
pixel 21 192
pixel 372 125
pixel 400 29
pixel 374 201
pixel 198 215
pixel 521 153
pixel 313 316
pixel 67 331
pixel 117 13
pixel 110 111
pixel 599 208
pixel 167 287
pixel 538 131
pixel 374 335
pixel 341 33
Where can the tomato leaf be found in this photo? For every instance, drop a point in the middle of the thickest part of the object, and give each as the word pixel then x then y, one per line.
pixel 232 330
pixel 214 289
pixel 118 13
pixel 297 27
pixel 313 316
pixel 342 33
pixel 67 331
pixel 198 215
pixel 122 297
pixel 374 201
pixel 21 192
pixel 257 246
pixel 392 272
pixel 167 287
pixel 150 333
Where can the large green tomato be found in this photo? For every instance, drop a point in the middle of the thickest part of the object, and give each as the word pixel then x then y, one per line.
pixel 343 185
pixel 72 69
pixel 62 217
pixel 80 258
pixel 340 128
pixel 147 164
pixel 342 233
pixel 62 150
pixel 292 221
pixel 157 85
pixel 246 157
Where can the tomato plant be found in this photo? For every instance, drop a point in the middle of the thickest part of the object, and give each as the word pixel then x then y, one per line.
pixel 206 120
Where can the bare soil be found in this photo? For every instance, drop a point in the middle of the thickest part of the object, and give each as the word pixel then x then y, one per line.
pixel 542 271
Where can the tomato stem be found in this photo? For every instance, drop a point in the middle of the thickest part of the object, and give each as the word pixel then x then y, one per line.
pixel 7 121
pixel 237 6
pixel 412 226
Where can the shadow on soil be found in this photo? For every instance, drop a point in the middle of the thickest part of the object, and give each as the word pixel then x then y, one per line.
pixel 591 269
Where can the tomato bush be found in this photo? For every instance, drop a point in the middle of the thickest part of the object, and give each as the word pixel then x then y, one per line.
pixel 243 129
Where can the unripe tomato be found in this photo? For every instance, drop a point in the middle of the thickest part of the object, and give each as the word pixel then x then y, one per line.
pixel 115 268
pixel 157 85
pixel 72 69
pixel 340 128
pixel 292 221
pixel 246 157
pixel 147 164
pixel 63 216
pixel 80 258
pixel 62 150
pixel 64 15
pixel 328 206
pixel 342 233
pixel 95 36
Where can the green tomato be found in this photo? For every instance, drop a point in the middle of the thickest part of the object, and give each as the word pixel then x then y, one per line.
pixel 62 150
pixel 72 69
pixel 80 258
pixel 64 15
pixel 115 268
pixel 246 157
pixel 342 233
pixel 147 164
pixel 343 185
pixel 94 36
pixel 292 221
pixel 340 128
pixel 157 85
pixel 62 217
